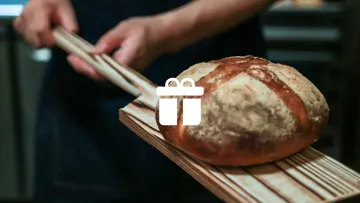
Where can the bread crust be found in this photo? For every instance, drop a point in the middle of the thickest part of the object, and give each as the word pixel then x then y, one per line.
pixel 253 112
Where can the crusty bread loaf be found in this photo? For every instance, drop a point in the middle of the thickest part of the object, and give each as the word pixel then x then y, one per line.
pixel 253 112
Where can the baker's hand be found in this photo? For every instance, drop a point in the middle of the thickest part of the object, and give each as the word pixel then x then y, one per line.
pixel 136 42
pixel 37 17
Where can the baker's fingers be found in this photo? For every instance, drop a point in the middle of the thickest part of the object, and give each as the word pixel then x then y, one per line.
pixel 34 26
pixel 40 25
pixel 66 17
pixel 18 24
pixel 33 39
pixel 108 42
pixel 126 54
pixel 83 67
pixel 133 54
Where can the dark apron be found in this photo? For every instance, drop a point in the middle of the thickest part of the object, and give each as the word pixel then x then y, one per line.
pixel 83 152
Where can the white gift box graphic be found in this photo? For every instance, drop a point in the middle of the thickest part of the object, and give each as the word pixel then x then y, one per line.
pixel 168 108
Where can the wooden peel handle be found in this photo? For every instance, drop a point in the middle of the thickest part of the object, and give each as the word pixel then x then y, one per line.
pixel 121 75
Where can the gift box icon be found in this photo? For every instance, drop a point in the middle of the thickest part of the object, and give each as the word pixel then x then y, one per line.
pixel 168 107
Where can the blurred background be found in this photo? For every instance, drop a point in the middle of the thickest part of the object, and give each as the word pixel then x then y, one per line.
pixel 319 38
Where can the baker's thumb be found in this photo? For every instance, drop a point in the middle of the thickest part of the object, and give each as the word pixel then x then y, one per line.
pixel 67 19
pixel 108 42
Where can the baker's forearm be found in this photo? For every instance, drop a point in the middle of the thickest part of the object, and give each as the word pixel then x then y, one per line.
pixel 203 18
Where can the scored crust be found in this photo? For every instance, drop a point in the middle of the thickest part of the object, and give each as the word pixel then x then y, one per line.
pixel 253 111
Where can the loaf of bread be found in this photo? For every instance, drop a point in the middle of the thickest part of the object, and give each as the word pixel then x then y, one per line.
pixel 253 112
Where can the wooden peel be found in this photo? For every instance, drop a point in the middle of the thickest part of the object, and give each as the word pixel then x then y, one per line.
pixel 308 176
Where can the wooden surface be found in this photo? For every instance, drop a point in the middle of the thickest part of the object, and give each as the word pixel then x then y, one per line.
pixel 309 176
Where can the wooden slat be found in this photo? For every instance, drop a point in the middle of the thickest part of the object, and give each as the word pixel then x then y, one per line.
pixel 308 176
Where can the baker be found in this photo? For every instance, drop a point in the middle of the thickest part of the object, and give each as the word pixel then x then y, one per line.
pixel 83 152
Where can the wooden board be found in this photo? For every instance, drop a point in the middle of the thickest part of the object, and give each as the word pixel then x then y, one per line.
pixel 308 176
